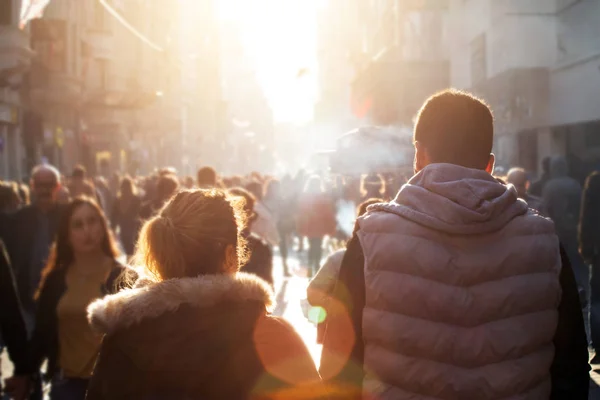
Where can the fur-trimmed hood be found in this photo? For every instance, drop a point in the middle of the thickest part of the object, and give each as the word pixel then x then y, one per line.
pixel 131 306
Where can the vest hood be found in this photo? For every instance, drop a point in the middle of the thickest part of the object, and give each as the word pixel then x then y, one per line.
pixel 456 200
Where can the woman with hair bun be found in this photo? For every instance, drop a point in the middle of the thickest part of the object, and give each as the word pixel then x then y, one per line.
pixel 197 328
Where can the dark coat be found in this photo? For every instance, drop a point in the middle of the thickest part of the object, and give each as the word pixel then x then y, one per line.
pixel 20 239
pixel 208 337
pixel 12 325
pixel 44 342
pixel 129 222
pixel 589 222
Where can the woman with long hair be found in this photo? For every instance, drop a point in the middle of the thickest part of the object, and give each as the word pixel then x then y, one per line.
pixel 196 328
pixel 82 267
pixel 316 219
pixel 126 215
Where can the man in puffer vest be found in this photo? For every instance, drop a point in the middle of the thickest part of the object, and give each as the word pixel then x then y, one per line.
pixel 456 290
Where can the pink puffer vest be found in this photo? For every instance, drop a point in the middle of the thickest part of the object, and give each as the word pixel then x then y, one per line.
pixel 462 290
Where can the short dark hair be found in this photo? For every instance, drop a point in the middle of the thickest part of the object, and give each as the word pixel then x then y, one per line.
pixel 456 128
pixel 166 187
pixel 257 189
pixel 79 172
pixel 207 178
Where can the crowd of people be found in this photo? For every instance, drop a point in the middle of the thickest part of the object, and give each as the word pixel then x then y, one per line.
pixel 453 284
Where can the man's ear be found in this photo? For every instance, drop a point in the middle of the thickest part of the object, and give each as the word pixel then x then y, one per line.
pixel 490 166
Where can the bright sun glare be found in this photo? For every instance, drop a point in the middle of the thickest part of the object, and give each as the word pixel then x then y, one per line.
pixel 279 36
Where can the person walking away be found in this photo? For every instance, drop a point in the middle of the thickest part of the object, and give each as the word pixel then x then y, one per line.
pixel 589 248
pixel 126 215
pixel 372 186
pixel 265 224
pixel 518 178
pixel 504 320
pixel 562 202
pixel 30 235
pixel 537 187
pixel 207 178
pixel 82 267
pixel 166 187
pixel 316 219
pixel 10 200
pixel 81 186
pixel 260 259
pixel 198 329
pixel 321 287
pixel 12 330
pixel 286 223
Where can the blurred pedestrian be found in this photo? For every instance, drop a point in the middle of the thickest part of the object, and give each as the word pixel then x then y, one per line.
pixel 199 329
pixel 372 186
pixel 537 187
pixel 316 219
pixel 82 266
pixel 13 330
pixel 166 187
pixel 265 223
pixel 260 259
pixel 518 178
pixel 125 215
pixel 188 182
pixel 80 185
pixel 9 197
pixel 321 287
pixel 32 230
pixel 456 290
pixel 562 203
pixel 286 223
pixel 589 247
pixel 207 178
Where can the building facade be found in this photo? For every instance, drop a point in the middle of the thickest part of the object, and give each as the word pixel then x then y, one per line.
pixel 537 63
pixel 91 82
pixel 401 58
pixel 336 34
pixel 249 130
pixel 15 59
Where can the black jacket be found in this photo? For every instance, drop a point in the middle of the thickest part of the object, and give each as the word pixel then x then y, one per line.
pixel 44 342
pixel 19 240
pixel 569 370
pixel 589 222
pixel 12 325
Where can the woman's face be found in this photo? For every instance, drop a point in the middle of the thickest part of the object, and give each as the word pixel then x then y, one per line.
pixel 86 230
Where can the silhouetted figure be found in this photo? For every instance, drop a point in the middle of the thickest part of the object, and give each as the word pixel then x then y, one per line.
pixel 456 290
pixel 199 329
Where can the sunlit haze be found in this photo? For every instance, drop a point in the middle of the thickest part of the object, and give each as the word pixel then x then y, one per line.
pixel 280 38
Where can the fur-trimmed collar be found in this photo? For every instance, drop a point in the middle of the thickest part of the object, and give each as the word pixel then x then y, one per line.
pixel 130 306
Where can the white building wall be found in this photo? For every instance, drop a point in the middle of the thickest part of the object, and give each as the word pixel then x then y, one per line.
pixel 467 19
pixel 575 80
pixel 521 41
